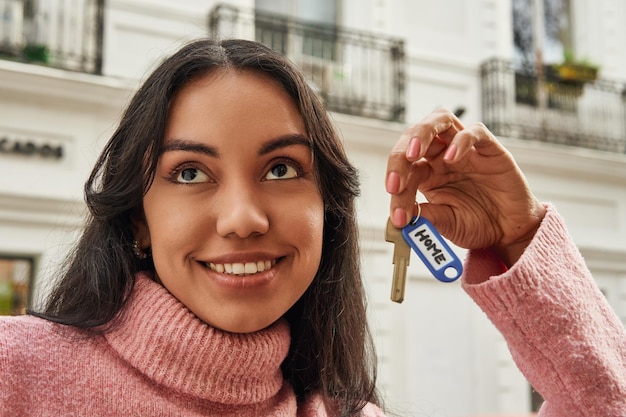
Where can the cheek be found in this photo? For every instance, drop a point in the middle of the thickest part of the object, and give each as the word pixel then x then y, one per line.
pixel 171 225
pixel 316 227
pixel 311 226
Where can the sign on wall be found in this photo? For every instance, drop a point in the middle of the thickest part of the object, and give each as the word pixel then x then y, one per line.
pixel 25 146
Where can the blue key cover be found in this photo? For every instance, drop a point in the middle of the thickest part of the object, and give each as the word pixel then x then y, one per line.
pixel 433 250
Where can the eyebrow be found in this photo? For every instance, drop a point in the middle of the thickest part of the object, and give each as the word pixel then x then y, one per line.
pixel 189 146
pixel 283 142
pixel 272 145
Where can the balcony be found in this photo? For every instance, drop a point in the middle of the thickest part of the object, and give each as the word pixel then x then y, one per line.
pixel 64 34
pixel 355 72
pixel 553 108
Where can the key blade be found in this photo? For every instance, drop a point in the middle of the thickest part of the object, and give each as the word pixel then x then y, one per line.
pixel 398 284
pixel 401 257
pixel 401 250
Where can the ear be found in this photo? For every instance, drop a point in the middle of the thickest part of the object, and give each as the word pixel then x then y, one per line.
pixel 141 232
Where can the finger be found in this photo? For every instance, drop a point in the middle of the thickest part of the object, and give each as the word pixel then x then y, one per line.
pixel 398 170
pixel 402 207
pixel 431 135
pixel 475 136
pixel 441 216
pixel 428 138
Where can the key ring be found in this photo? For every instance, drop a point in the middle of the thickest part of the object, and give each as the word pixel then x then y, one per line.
pixel 419 212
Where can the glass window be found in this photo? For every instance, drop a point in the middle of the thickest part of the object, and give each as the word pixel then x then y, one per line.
pixel 15 284
pixel 315 35
pixel 320 11
pixel 558 34
pixel 556 28
pixel 549 20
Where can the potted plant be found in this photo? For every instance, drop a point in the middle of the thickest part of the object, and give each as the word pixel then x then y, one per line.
pixel 565 81
pixel 575 71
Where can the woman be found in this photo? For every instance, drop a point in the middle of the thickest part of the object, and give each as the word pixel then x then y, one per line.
pixel 300 221
pixel 218 273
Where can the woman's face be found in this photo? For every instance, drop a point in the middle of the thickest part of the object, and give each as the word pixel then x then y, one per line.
pixel 234 217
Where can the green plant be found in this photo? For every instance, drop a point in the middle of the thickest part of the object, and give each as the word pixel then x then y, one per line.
pixel 575 70
pixel 36 53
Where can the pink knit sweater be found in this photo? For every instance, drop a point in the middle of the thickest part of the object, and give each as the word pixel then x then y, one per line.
pixel 560 329
pixel 162 361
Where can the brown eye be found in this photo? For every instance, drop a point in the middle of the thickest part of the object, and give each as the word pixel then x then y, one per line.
pixel 191 175
pixel 281 171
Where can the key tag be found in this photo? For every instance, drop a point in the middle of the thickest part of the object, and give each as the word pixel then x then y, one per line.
pixel 432 249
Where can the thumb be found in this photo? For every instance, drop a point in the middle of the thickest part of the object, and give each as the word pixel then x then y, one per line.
pixel 439 215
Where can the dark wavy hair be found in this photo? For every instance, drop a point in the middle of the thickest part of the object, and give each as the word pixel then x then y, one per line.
pixel 331 348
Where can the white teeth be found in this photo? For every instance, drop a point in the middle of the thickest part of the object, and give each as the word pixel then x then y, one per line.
pixel 242 268
pixel 238 269
pixel 250 268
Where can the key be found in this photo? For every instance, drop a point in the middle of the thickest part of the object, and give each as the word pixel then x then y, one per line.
pixel 401 257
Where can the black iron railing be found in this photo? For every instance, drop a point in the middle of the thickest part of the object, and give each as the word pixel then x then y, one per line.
pixel 63 34
pixel 355 72
pixel 551 108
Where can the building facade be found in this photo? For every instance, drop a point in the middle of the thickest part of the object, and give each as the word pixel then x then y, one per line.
pixel 68 67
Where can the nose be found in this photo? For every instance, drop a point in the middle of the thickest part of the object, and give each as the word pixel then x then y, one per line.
pixel 241 212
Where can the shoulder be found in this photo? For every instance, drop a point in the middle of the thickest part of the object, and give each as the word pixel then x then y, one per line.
pixel 15 329
pixel 28 339
pixel 36 354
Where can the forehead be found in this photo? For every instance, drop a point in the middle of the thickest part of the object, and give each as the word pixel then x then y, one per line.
pixel 231 113
pixel 235 100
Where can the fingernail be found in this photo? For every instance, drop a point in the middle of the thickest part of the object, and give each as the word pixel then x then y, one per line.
pixel 450 152
pixel 393 182
pixel 414 149
pixel 399 217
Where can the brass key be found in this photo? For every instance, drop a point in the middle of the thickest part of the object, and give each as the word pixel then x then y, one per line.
pixel 401 257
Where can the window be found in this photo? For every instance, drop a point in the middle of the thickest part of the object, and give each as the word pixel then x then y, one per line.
pixel 318 11
pixel 554 26
pixel 15 284
pixel 316 37
pixel 542 30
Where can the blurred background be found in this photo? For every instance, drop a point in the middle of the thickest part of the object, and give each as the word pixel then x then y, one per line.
pixel 546 76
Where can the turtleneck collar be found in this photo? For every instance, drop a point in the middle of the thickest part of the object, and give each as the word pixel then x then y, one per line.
pixel 162 339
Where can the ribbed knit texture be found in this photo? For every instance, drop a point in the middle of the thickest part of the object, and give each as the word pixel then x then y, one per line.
pixel 158 359
pixel 560 328
pixel 193 358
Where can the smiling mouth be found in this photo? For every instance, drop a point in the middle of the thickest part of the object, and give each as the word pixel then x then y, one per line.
pixel 241 269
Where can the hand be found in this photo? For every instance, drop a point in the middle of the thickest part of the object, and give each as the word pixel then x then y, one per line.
pixel 477 196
